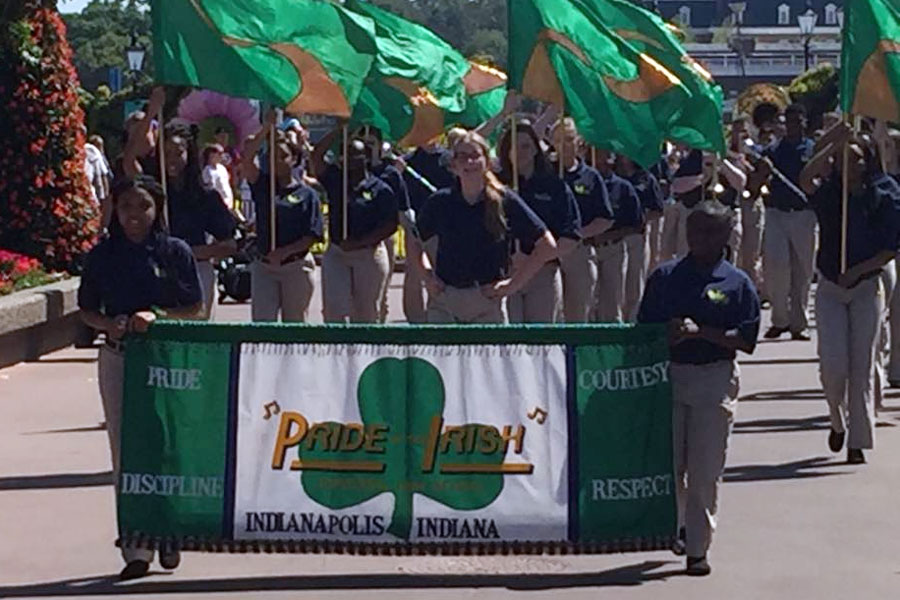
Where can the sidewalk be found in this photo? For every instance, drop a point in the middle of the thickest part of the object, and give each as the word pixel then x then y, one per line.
pixel 795 521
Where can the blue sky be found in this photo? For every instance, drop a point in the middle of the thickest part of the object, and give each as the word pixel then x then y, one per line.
pixel 70 6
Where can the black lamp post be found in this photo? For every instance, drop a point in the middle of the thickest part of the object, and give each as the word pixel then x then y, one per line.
pixel 807 22
pixel 135 54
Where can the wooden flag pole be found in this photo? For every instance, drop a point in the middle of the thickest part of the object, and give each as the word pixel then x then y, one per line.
pixel 161 153
pixel 344 228
pixel 845 196
pixel 514 151
pixel 560 152
pixel 593 157
pixel 272 189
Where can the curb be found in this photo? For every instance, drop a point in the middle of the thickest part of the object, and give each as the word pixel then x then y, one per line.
pixel 39 320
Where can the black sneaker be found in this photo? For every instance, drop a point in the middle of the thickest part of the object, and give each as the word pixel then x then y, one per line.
pixel 774 332
pixel 679 546
pixel 855 456
pixel 800 336
pixel 169 557
pixel 134 570
pixel 698 566
pixel 836 440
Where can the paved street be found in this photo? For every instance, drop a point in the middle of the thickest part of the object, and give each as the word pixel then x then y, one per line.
pixel 795 521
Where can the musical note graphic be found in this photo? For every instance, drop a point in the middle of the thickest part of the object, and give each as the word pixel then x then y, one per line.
pixel 538 414
pixel 272 408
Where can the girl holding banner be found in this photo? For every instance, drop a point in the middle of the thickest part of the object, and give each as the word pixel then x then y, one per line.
pixel 130 278
pixel 540 300
pixel 849 298
pixel 477 222
pixel 282 277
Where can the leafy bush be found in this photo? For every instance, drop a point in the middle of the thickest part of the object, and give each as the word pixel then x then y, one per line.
pixel 19 272
pixel 46 207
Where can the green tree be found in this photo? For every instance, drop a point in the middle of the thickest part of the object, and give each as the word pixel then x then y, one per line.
pixel 102 32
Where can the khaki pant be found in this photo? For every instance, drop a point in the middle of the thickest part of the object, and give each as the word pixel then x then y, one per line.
pixel 539 301
pixel 579 277
pixel 637 265
pixel 883 338
pixel 352 282
pixel 704 404
pixel 893 371
pixel 610 290
pixel 390 247
pixel 674 235
pixel 654 236
pixel 209 288
pixel 848 322
pixel 286 288
pixel 466 306
pixel 414 295
pixel 111 374
pixel 753 218
pixel 789 246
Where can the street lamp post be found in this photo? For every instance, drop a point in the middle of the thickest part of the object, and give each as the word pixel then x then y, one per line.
pixel 807 22
pixel 135 54
pixel 737 11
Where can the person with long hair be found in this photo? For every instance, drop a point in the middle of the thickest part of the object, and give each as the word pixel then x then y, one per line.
pixel 477 222
pixel 137 274
pixel 579 267
pixel 712 311
pixel 197 214
pixel 355 266
pixel 849 304
pixel 540 300
pixel 282 282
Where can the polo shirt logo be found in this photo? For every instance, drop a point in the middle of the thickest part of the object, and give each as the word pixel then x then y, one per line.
pixel 367 195
pixel 292 199
pixel 581 189
pixel 717 296
pixel 543 197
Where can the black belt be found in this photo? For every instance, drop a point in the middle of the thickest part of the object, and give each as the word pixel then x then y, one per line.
pixel 115 345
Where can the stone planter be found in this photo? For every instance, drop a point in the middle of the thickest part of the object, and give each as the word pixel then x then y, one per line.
pixel 39 320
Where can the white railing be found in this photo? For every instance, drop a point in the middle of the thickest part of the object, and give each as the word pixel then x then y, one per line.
pixel 774 64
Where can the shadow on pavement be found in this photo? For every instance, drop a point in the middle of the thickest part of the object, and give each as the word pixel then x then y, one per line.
pixel 768 396
pixel 800 469
pixel 782 425
pixel 778 361
pixel 63 360
pixel 97 427
pixel 630 575
pixel 63 480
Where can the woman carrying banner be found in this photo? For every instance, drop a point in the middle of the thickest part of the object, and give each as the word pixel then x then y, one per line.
pixel 849 302
pixel 712 311
pixel 131 278
pixel 197 214
pixel 579 267
pixel 355 265
pixel 282 277
pixel 477 222
pixel 540 300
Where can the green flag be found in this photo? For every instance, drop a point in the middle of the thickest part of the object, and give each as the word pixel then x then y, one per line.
pixel 560 51
pixel 700 126
pixel 870 59
pixel 417 80
pixel 304 55
pixel 485 96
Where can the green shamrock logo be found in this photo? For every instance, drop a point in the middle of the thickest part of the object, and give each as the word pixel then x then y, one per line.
pixel 407 397
pixel 717 296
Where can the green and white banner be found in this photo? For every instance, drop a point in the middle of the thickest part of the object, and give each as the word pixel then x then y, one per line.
pixel 397 439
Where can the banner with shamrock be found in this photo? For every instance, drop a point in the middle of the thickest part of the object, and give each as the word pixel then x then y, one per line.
pixel 398 440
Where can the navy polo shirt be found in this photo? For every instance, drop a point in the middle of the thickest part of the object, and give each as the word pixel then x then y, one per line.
pixel 590 193
pixel 873 223
pixel 789 158
pixel 554 203
pixel 433 165
pixel 369 205
pixel 391 176
pixel 648 190
pixel 298 213
pixel 122 278
pixel 691 166
pixel 467 253
pixel 723 297
pixel 625 202
pixel 195 212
